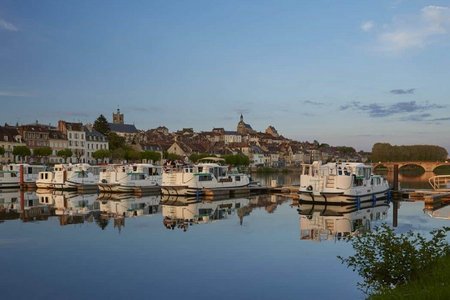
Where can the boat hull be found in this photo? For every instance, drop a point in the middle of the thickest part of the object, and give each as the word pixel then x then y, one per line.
pixel 341 198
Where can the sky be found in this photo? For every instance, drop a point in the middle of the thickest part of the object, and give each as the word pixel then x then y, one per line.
pixel 346 73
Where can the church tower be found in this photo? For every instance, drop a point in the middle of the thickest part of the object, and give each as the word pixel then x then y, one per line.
pixel 117 117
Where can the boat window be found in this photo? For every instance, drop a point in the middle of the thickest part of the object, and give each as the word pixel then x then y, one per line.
pixel 134 168
pixel 13 175
pixel 339 171
pixel 206 177
pixel 237 178
pixel 30 170
pixel 367 172
pixel 200 169
pixel 346 172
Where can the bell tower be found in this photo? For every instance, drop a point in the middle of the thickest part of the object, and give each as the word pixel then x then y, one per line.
pixel 118 117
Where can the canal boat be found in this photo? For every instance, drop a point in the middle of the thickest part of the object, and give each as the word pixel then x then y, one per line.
pixel 16 175
pixel 208 177
pixel 341 183
pixel 69 177
pixel 130 178
pixel 324 222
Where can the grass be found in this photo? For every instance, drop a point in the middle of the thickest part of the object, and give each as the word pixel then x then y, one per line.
pixel 433 284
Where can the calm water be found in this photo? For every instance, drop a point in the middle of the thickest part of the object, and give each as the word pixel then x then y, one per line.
pixel 257 247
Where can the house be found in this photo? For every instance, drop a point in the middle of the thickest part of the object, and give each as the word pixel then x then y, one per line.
pixel 58 141
pixel 76 140
pixel 94 141
pixel 9 138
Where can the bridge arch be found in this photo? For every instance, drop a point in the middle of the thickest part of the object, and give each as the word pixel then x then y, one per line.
pixel 404 167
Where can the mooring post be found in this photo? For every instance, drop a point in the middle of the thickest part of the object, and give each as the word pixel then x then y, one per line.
pixel 395 198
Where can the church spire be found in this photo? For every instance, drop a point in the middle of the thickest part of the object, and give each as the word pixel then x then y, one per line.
pixel 242 118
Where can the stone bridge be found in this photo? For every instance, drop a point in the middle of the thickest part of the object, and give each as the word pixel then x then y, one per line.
pixel 428 166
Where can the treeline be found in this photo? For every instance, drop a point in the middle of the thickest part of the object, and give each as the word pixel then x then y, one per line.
pixel 386 152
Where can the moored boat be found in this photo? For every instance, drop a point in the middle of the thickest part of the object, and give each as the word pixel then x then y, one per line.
pixel 341 183
pixel 69 177
pixel 208 176
pixel 130 178
pixel 16 175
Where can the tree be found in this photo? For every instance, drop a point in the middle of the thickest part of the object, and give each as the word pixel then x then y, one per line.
pixel 132 155
pixel 2 150
pixel 151 155
pixel 101 125
pixel 171 156
pixel 21 152
pixel 385 259
pixel 42 152
pixel 66 153
pixel 78 154
pixel 237 160
pixel 115 141
pixel 101 154
pixel 118 154
pixel 385 152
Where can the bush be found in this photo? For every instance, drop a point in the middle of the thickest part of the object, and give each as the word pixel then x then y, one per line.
pixel 385 260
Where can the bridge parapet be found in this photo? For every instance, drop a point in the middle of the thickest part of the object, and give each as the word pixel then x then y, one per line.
pixel 428 166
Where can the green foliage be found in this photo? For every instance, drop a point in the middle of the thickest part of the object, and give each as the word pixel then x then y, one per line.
pixel 65 153
pixel 101 125
pixel 21 151
pixel 115 141
pixel 151 155
pixel 196 156
pixel 42 151
pixel 171 156
pixel 237 160
pixel 118 154
pixel 101 154
pixel 2 150
pixel 433 284
pixel 346 150
pixel 385 152
pixel 132 155
pixel 385 259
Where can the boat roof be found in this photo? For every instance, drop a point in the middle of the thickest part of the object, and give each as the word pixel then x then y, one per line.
pixel 212 159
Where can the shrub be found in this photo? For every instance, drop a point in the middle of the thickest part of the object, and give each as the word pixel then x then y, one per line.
pixel 385 259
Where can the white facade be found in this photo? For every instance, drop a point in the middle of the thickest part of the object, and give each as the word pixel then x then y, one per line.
pixel 95 141
pixel 232 137
pixel 77 143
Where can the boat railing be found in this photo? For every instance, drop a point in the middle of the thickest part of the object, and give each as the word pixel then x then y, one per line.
pixel 440 182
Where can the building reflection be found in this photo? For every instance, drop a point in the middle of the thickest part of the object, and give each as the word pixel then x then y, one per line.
pixel 440 210
pixel 320 222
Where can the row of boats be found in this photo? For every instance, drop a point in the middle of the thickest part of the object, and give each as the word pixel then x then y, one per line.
pixel 173 178
pixel 329 183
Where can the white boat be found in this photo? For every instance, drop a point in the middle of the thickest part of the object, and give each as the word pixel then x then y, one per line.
pixel 69 177
pixel 342 183
pixel 129 178
pixel 15 175
pixel 321 222
pixel 209 175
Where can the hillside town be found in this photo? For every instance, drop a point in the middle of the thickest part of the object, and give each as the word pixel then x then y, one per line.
pixel 264 149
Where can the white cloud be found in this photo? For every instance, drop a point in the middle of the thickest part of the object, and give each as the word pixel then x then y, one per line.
pixel 14 94
pixel 367 26
pixel 7 26
pixel 415 32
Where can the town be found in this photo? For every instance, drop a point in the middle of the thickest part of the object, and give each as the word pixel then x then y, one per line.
pixel 103 142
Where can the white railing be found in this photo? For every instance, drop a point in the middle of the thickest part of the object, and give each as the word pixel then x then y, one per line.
pixel 440 182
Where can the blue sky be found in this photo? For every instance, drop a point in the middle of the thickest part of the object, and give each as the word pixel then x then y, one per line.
pixel 341 72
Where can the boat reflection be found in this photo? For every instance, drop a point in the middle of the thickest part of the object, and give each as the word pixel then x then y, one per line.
pixel 23 205
pixel 438 211
pixel 182 212
pixel 322 222
pixel 129 205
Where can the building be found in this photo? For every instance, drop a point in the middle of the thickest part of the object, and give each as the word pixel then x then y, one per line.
pixel 35 135
pixel 57 141
pixel 94 141
pixel 244 128
pixel 127 131
pixel 9 138
pixel 76 140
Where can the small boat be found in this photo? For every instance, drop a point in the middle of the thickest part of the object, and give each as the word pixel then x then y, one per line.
pixel 130 178
pixel 69 177
pixel 208 176
pixel 341 183
pixel 16 175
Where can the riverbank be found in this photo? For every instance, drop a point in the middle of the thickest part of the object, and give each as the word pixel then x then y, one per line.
pixel 269 170
pixel 433 284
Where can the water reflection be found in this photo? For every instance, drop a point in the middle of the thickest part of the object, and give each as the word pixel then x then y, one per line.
pixel 24 205
pixel 320 222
